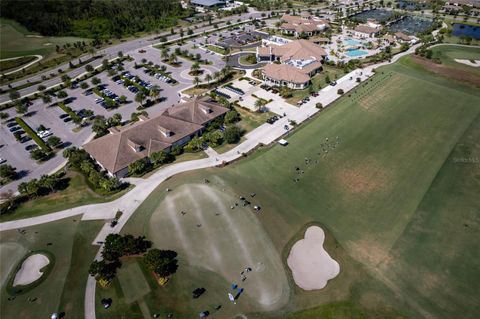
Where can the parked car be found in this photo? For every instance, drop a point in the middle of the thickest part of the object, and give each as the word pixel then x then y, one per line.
pixel 11 124
pixel 31 147
pixel 2 160
pixel 14 129
pixel 62 116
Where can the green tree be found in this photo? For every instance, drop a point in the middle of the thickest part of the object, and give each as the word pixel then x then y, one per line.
pixel 99 125
pixel 46 98
pixel 8 171
pixel 62 94
pixel 13 95
pixel 21 108
pixel 232 134
pixel 139 97
pixel 155 92
pixel 96 81
pixel 41 87
pixel 163 262
pixel 138 167
pixel 88 68
pixel 232 116
pixel 54 141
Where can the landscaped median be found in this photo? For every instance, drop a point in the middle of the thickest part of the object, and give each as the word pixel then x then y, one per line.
pixel 69 111
pixel 30 132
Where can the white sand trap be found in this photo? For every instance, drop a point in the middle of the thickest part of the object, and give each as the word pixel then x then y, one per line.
pixel 311 265
pixel 469 63
pixel 30 270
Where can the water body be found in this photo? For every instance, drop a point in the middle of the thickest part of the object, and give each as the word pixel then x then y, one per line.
pixel 460 29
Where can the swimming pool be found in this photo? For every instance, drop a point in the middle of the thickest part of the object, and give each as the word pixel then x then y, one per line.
pixel 355 53
pixel 352 42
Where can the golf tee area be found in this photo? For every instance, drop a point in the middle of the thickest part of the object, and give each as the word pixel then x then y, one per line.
pixel 390 173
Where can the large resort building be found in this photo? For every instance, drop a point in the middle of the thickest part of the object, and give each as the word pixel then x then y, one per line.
pixel 302 25
pixel 175 127
pixel 293 64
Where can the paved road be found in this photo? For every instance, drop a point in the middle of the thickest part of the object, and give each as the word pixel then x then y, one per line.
pixel 234 61
pixel 125 47
pixel 128 203
pixel 129 46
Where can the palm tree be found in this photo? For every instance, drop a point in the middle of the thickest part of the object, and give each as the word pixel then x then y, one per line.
pixel 208 78
pixel 139 97
pixel 195 68
pixel 217 75
pixel 259 104
pixel 173 58
pixel 196 80
pixel 155 92
pixel 164 54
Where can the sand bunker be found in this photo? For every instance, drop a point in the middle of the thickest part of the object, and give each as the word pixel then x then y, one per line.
pixel 311 265
pixel 30 270
pixel 475 63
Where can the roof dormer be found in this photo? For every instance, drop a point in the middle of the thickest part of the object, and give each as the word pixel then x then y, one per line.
pixel 166 132
pixel 135 146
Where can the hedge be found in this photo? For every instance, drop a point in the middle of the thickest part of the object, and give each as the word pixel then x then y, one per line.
pixel 28 130
pixel 69 111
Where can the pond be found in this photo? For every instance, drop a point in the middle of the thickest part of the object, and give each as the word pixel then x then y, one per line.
pixel 378 15
pixel 460 29
pixel 411 25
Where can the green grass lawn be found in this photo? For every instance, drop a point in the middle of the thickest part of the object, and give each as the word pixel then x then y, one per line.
pixel 244 59
pixel 10 65
pixel 318 82
pixel 78 193
pixel 216 49
pixel 396 193
pixel 16 40
pixel 447 55
pixel 63 289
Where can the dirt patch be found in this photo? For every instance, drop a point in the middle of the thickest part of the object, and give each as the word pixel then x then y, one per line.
pixel 370 252
pixel 371 102
pixel 364 178
pixel 448 72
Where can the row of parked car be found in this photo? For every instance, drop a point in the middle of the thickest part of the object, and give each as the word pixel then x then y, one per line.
pixel 15 129
pixel 135 79
pixel 234 90
pixel 163 78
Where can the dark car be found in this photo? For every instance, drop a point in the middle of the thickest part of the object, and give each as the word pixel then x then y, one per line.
pixel 333 83
pixel 62 116
pixel 67 119
pixel 31 147
pixel 15 128
pixel 11 124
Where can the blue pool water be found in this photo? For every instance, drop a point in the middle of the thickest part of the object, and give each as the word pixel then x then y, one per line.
pixel 467 30
pixel 355 53
pixel 351 42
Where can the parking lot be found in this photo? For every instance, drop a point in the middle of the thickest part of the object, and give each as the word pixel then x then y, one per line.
pixel 58 123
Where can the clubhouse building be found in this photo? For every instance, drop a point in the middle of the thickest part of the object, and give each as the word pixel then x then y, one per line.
pixel 292 64
pixel 175 127
pixel 302 25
